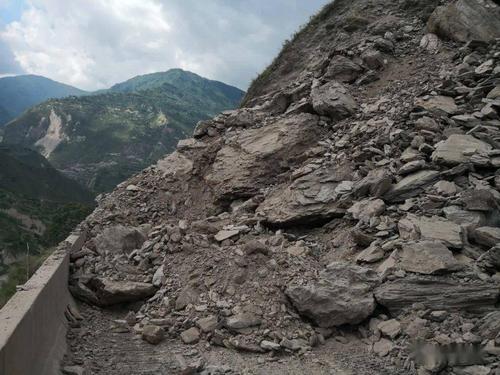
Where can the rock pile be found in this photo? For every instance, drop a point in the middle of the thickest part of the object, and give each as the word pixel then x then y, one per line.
pixel 365 192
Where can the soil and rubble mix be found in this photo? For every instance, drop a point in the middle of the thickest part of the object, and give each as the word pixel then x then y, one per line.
pixel 352 203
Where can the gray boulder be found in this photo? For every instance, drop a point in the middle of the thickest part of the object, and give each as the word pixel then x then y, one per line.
pixel 458 148
pixel 411 185
pixel 333 100
pixel 343 69
pixel 487 236
pixel 342 295
pixel 119 239
pixel 438 104
pixel 414 227
pixel 427 257
pixel 256 156
pixel 466 20
pixel 106 292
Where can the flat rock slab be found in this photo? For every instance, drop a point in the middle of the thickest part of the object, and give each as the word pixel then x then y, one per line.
pixel 458 148
pixel 411 185
pixel 438 293
pixel 109 292
pixel 414 227
pixel 342 295
pixel 438 104
pixel 310 198
pixel 427 257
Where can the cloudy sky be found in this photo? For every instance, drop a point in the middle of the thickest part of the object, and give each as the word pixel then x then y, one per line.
pixel 93 44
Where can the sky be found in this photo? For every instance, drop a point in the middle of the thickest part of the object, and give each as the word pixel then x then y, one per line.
pixel 93 44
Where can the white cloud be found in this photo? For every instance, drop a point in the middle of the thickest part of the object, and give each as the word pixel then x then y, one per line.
pixel 96 43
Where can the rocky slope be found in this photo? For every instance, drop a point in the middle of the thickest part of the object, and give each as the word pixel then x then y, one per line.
pixel 354 199
pixel 102 139
pixel 19 93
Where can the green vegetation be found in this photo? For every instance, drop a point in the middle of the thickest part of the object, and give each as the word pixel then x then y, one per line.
pixel 18 274
pixel 21 92
pixel 264 77
pixel 38 208
pixel 112 135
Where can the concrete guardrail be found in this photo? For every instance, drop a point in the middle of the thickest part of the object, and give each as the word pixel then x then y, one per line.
pixel 33 324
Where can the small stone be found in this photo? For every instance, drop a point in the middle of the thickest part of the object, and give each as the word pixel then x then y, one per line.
pixel 390 328
pixel 190 336
pixel 132 188
pixel 382 347
pixel 153 334
pixel 487 236
pixel 226 234
pixel 159 277
pixel 445 188
pixel 366 209
pixel 73 370
pixel 242 321
pixel 439 316
pixel 270 345
pixel 208 324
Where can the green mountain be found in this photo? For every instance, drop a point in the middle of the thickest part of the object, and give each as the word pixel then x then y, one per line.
pixel 21 92
pixel 38 205
pixel 100 140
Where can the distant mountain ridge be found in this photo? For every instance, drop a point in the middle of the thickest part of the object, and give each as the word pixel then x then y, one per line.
pixel 102 139
pixel 19 93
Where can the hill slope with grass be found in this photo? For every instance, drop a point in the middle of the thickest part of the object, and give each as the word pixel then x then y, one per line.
pixel 100 140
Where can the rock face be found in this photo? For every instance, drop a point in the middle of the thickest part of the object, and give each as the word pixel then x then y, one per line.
pixel 466 20
pixel 438 294
pixel 342 295
pixel 256 156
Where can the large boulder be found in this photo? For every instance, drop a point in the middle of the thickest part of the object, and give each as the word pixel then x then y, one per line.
pixel 255 157
pixel 466 20
pixel 333 100
pixel 458 148
pixel 342 295
pixel 119 239
pixel 311 198
pixel 438 293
